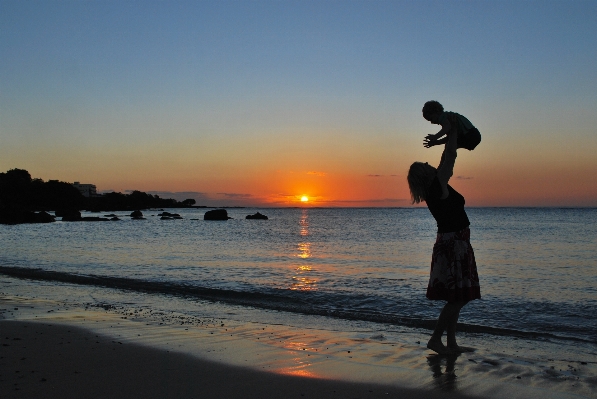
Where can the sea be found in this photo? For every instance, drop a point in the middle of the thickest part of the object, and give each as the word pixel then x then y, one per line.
pixel 328 267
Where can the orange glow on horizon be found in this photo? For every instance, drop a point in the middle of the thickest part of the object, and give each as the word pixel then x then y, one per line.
pixel 482 178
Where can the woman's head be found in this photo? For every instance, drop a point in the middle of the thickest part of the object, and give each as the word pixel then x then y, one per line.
pixel 432 108
pixel 420 176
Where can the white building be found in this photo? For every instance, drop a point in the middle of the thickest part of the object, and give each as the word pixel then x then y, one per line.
pixel 88 190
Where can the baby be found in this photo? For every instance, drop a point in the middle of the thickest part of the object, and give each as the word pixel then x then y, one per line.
pixel 451 122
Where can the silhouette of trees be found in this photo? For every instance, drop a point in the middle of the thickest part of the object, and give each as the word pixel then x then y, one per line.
pixel 18 191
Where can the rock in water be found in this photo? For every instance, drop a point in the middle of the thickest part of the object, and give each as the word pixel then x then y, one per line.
pixel 138 215
pixel 216 214
pixel 16 215
pixel 70 215
pixel 257 216
pixel 44 217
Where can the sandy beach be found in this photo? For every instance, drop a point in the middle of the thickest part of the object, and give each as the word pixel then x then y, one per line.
pixel 55 350
pixel 42 360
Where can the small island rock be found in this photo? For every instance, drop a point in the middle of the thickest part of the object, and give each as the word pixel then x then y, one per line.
pixel 71 215
pixel 216 214
pixel 257 216
pixel 137 215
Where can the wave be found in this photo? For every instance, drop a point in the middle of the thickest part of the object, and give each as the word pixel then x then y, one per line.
pixel 272 299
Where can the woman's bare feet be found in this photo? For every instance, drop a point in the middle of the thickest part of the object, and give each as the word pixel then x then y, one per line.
pixel 437 346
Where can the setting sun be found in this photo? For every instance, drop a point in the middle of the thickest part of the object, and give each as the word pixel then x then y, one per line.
pixel 304 198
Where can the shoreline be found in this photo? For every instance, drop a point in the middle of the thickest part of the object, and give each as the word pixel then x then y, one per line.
pixel 288 358
pixel 262 301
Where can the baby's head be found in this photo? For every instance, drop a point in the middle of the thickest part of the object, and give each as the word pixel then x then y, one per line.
pixel 432 108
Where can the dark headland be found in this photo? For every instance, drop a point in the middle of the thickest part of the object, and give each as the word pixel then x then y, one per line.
pixel 24 199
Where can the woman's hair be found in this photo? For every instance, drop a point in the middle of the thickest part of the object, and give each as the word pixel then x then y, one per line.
pixel 418 182
pixel 430 108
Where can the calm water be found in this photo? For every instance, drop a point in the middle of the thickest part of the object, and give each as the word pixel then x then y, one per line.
pixel 537 266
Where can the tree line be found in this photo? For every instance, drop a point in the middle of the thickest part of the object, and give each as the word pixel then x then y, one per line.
pixel 19 191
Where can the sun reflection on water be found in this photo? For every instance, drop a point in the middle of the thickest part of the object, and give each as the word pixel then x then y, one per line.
pixel 302 280
pixel 304 250
pixel 301 367
pixel 304 223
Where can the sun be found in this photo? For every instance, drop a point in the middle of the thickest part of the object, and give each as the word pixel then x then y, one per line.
pixel 304 198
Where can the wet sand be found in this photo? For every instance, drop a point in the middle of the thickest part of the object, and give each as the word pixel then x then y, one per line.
pixel 64 351
pixel 53 361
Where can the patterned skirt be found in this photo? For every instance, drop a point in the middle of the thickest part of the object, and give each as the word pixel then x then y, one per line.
pixel 454 275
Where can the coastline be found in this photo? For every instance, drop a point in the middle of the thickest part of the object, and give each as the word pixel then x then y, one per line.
pixel 109 354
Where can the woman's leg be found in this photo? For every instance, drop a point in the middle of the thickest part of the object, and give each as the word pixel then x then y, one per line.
pixel 446 321
pixel 451 328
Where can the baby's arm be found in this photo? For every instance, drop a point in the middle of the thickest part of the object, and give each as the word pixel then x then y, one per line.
pixel 446 127
pixel 430 140
pixel 436 139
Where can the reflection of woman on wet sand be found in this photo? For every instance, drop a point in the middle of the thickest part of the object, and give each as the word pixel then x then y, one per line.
pixel 453 269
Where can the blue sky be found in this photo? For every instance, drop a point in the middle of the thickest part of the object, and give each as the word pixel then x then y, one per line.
pixel 222 96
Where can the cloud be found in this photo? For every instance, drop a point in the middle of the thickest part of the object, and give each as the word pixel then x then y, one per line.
pixel 320 174
pixel 211 199
pixel 235 195
pixel 463 177
pixel 374 175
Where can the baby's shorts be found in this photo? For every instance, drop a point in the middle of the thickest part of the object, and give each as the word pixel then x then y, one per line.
pixel 470 139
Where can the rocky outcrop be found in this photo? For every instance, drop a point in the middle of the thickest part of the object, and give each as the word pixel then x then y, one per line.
pixel 71 215
pixel 137 215
pixel 257 216
pixel 44 217
pixel 16 215
pixel 169 216
pixel 216 214
pixel 75 216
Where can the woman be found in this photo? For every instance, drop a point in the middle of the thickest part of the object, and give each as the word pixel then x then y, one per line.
pixel 453 269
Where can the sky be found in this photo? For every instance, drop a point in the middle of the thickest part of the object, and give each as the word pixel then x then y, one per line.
pixel 259 103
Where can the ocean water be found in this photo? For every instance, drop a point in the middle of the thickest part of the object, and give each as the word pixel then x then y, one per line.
pixel 537 266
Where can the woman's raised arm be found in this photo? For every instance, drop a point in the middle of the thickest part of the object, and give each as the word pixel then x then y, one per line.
pixel 446 165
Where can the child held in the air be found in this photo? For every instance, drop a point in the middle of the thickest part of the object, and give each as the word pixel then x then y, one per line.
pixel 451 122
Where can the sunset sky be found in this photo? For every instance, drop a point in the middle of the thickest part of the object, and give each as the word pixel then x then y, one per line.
pixel 263 102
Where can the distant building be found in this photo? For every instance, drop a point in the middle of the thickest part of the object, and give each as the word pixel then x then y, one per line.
pixel 88 190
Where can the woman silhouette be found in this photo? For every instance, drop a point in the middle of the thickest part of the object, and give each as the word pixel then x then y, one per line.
pixel 453 275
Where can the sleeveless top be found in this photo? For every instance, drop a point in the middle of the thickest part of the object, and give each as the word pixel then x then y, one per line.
pixel 448 212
